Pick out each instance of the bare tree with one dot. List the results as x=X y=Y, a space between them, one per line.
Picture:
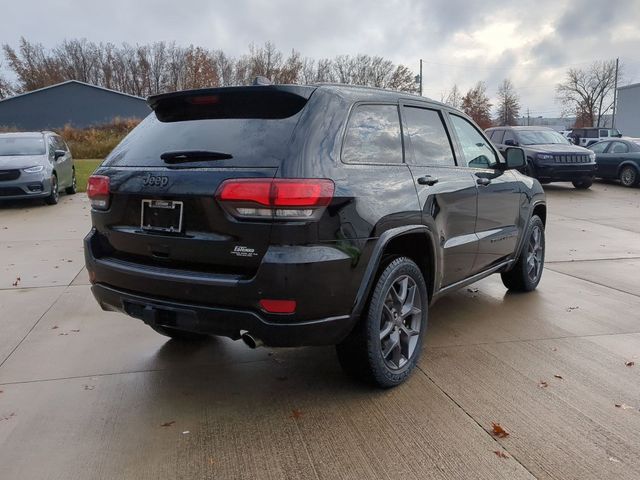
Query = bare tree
x=588 y=93
x=508 y=104
x=159 y=67
x=453 y=98
x=476 y=104
x=6 y=89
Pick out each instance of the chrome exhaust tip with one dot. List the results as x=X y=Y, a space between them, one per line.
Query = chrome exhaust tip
x=251 y=341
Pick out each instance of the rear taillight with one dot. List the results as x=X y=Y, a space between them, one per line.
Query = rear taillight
x=98 y=191
x=275 y=199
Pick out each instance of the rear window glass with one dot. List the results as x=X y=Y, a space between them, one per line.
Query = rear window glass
x=373 y=135
x=249 y=141
x=14 y=145
x=429 y=138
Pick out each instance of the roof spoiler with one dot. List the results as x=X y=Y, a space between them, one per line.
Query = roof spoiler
x=261 y=101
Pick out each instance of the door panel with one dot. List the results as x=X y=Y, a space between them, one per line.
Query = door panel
x=447 y=193
x=498 y=207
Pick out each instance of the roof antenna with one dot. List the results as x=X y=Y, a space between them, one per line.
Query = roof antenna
x=260 y=80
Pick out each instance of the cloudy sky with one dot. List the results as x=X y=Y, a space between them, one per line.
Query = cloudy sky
x=531 y=42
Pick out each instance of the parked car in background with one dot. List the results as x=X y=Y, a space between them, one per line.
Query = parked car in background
x=588 y=136
x=619 y=159
x=35 y=165
x=307 y=215
x=550 y=156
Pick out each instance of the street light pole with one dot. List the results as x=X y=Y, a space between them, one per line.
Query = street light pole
x=421 y=77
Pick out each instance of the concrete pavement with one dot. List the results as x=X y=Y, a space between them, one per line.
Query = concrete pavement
x=92 y=395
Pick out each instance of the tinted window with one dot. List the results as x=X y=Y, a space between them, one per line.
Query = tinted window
x=604 y=133
x=591 y=133
x=599 y=147
x=498 y=136
x=250 y=141
x=508 y=135
x=373 y=135
x=15 y=145
x=428 y=136
x=619 y=147
x=477 y=152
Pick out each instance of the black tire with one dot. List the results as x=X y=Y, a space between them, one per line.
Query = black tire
x=520 y=278
x=180 y=335
x=74 y=184
x=361 y=354
x=54 y=196
x=530 y=169
x=583 y=183
x=629 y=176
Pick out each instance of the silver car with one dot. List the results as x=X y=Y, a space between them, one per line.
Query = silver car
x=35 y=165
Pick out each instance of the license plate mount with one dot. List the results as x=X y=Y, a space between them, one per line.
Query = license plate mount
x=161 y=216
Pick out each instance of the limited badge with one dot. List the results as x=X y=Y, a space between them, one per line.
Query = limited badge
x=241 y=251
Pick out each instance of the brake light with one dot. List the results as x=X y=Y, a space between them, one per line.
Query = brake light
x=278 y=198
x=98 y=191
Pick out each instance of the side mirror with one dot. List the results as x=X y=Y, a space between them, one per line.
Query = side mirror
x=59 y=153
x=510 y=142
x=515 y=158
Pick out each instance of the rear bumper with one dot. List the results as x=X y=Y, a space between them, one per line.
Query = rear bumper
x=222 y=321
x=564 y=173
x=322 y=279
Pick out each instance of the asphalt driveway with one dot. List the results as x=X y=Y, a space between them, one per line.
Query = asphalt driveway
x=86 y=394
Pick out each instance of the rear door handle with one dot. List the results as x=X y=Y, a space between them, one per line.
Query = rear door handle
x=483 y=181
x=427 y=180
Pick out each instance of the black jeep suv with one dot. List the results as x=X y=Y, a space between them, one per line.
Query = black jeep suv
x=308 y=215
x=550 y=156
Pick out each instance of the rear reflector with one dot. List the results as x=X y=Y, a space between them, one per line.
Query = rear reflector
x=278 y=306
x=279 y=198
x=98 y=191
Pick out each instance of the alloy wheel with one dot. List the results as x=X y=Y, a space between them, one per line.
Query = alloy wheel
x=628 y=176
x=400 y=322
x=534 y=254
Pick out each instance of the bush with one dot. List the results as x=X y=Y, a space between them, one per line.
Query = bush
x=98 y=141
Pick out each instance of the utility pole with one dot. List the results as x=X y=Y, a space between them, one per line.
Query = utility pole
x=615 y=97
x=421 y=77
x=528 y=117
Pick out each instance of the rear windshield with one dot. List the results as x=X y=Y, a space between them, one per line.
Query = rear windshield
x=10 y=146
x=249 y=142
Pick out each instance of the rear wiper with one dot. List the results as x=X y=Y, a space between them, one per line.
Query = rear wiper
x=193 y=156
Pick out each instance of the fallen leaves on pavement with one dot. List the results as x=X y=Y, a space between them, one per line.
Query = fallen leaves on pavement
x=559 y=376
x=498 y=431
x=168 y=424
x=542 y=384
x=501 y=454
x=296 y=414
x=629 y=364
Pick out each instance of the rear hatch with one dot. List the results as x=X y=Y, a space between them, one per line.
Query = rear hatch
x=164 y=176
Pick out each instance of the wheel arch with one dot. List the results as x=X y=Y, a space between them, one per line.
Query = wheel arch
x=627 y=163
x=413 y=241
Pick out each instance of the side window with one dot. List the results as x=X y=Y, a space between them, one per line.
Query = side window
x=591 y=133
x=477 y=152
x=508 y=135
x=599 y=147
x=604 y=133
x=619 y=147
x=498 y=136
x=51 y=142
x=429 y=139
x=373 y=135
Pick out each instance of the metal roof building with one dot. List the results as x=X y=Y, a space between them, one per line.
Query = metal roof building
x=628 y=110
x=72 y=103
